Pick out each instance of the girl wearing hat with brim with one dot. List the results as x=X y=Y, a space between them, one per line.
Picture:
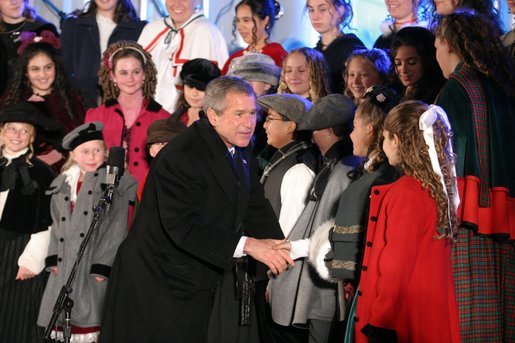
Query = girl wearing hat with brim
x=194 y=77
x=24 y=222
x=74 y=194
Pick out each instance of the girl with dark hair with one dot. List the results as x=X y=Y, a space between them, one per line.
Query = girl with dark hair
x=406 y=290
x=329 y=18
x=254 y=21
x=40 y=79
x=479 y=97
x=86 y=37
x=16 y=16
x=128 y=79
x=416 y=73
x=401 y=13
x=194 y=76
x=364 y=69
x=508 y=39
x=304 y=73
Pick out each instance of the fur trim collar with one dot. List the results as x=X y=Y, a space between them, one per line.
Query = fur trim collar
x=387 y=27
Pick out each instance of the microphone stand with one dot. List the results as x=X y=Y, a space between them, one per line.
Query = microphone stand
x=64 y=302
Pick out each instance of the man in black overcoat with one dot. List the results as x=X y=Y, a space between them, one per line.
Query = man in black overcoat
x=202 y=208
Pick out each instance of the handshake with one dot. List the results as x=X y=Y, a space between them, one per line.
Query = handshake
x=274 y=253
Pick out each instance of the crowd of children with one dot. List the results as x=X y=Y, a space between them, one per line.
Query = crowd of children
x=390 y=169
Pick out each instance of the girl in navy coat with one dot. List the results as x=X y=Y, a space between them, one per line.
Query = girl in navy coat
x=86 y=37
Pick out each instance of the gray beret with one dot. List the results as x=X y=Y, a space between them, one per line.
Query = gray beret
x=82 y=134
x=292 y=106
x=329 y=111
x=255 y=67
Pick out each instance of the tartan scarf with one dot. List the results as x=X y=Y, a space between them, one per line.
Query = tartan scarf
x=470 y=81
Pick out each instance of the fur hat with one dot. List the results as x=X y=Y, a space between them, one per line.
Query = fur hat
x=198 y=73
x=255 y=67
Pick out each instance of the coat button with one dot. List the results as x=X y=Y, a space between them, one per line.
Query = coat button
x=59 y=259
x=95 y=175
x=356 y=319
x=136 y=149
x=360 y=293
x=364 y=268
x=61 y=239
x=369 y=244
x=373 y=218
x=138 y=123
x=376 y=192
x=85 y=213
x=82 y=234
x=66 y=198
x=63 y=219
x=90 y=192
x=136 y=164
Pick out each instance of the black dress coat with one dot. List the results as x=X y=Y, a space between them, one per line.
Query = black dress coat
x=80 y=48
x=182 y=242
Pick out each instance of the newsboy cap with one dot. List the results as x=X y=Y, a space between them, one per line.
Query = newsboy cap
x=292 y=106
x=24 y=112
x=329 y=111
x=255 y=67
x=82 y=134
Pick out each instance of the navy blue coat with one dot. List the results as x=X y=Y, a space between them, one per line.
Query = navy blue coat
x=80 y=48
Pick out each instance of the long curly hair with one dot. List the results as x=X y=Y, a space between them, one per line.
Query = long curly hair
x=20 y=87
x=29 y=13
x=124 y=11
x=123 y=49
x=318 y=71
x=377 y=57
x=485 y=7
x=345 y=16
x=403 y=121
x=479 y=49
x=260 y=9
x=423 y=41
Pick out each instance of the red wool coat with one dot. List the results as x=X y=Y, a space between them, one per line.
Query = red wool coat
x=111 y=115
x=406 y=281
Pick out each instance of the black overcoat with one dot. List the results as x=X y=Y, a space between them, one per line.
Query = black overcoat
x=182 y=241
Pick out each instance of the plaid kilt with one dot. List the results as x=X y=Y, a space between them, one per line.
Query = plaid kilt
x=484 y=277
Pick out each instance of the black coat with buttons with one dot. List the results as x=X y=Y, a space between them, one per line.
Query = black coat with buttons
x=182 y=242
x=68 y=230
x=347 y=236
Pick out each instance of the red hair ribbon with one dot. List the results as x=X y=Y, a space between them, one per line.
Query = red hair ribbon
x=27 y=38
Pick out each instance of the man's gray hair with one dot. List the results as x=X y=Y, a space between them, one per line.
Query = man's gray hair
x=219 y=88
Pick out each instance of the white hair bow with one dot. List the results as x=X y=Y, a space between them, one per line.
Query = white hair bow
x=426 y=121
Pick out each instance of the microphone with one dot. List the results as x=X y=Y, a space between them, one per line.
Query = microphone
x=115 y=165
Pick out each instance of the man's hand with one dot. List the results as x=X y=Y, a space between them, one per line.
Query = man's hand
x=263 y=251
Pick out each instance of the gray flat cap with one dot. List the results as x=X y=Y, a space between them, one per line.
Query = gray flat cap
x=292 y=106
x=329 y=111
x=255 y=67
x=82 y=134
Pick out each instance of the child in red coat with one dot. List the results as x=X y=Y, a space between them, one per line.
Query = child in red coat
x=406 y=287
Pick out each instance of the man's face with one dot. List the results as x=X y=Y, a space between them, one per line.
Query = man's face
x=237 y=122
